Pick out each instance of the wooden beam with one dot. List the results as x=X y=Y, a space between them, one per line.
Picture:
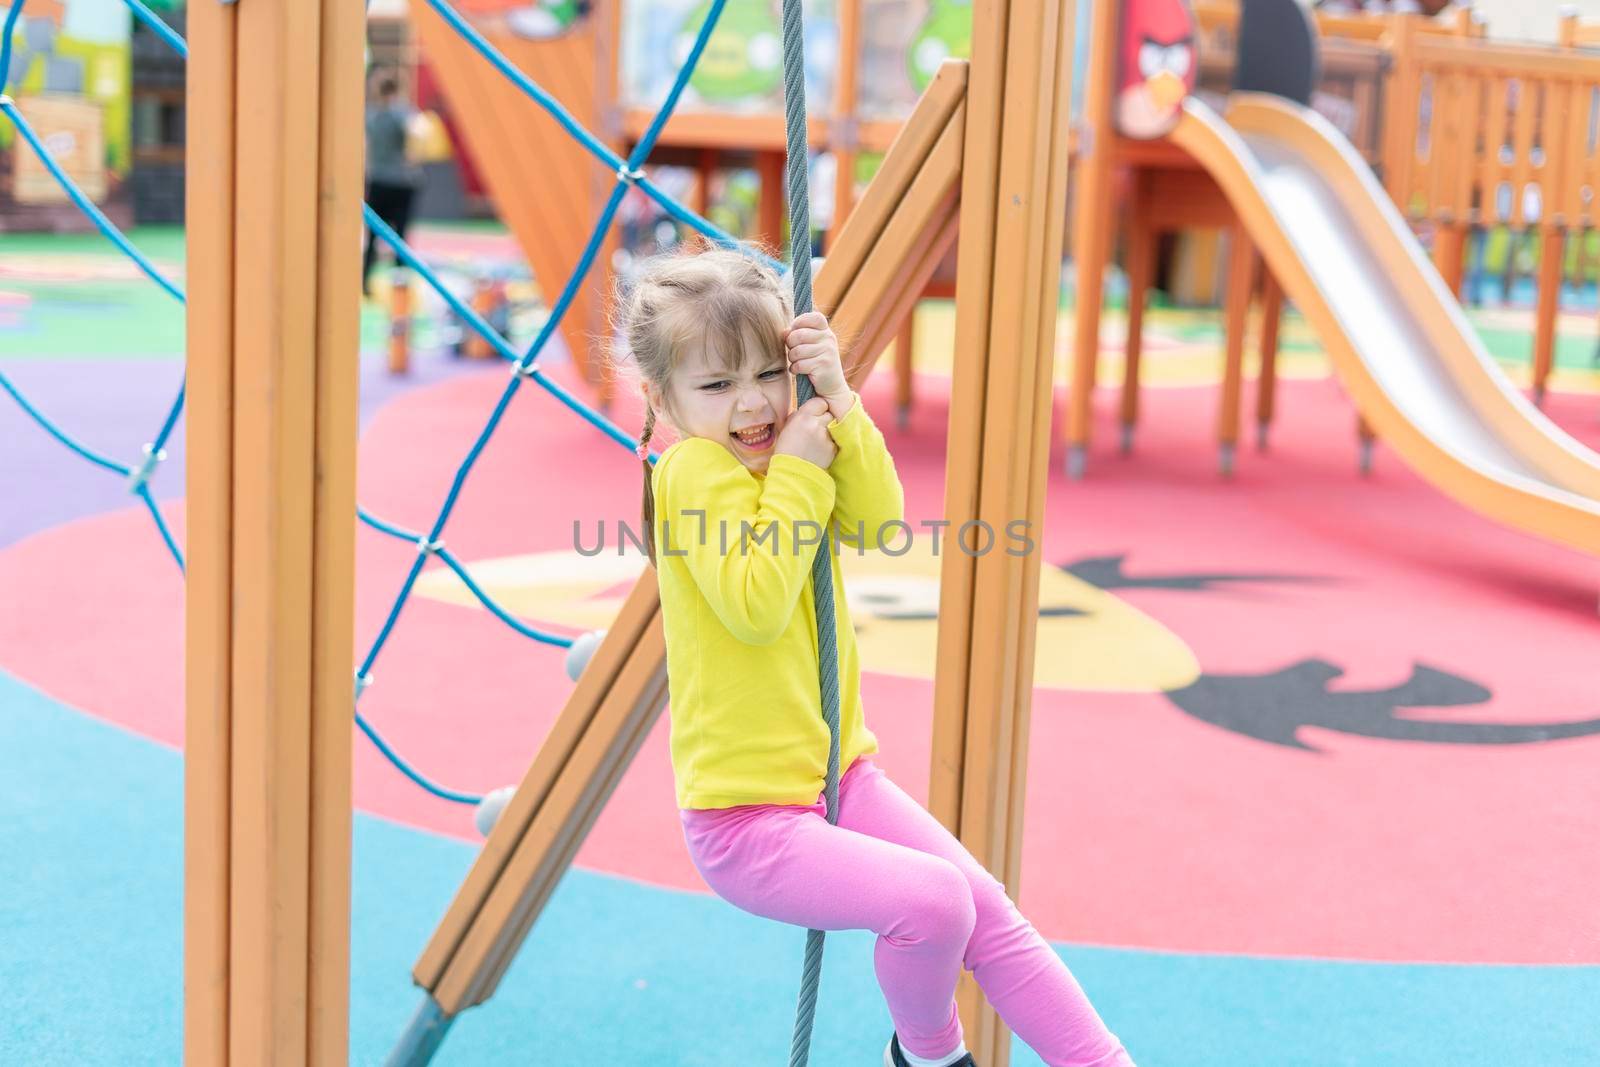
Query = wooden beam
x=1236 y=313
x=1267 y=378
x=340 y=188
x=594 y=687
x=563 y=820
x=905 y=348
x=1092 y=226
x=1013 y=209
x=770 y=215
x=1552 y=246
x=1141 y=257
x=897 y=296
x=904 y=161
x=931 y=195
x=208 y=603
x=273 y=310
x=846 y=102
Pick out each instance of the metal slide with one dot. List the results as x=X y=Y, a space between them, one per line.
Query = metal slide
x=1399 y=342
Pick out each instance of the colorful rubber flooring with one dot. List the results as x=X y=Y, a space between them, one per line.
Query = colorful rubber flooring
x=1311 y=761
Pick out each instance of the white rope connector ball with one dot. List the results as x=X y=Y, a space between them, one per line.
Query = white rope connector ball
x=140 y=475
x=582 y=651
x=490 y=807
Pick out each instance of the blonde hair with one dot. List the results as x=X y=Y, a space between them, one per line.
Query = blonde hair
x=727 y=302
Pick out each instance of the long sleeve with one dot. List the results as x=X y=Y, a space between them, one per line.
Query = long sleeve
x=747 y=543
x=868 y=494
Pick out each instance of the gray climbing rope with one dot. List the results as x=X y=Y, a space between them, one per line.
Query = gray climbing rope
x=794 y=114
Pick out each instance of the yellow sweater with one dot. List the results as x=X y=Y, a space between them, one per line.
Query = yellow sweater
x=740 y=624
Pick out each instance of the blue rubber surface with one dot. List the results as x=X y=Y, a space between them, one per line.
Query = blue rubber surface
x=621 y=972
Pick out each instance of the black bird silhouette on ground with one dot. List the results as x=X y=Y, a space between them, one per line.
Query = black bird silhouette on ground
x=1275 y=707
x=1105 y=572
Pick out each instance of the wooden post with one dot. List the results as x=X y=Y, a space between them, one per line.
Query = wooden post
x=1267 y=380
x=1449 y=254
x=400 y=321
x=1241 y=283
x=905 y=346
x=704 y=173
x=771 y=217
x=274 y=116
x=1013 y=206
x=1141 y=256
x=1402 y=90
x=845 y=120
x=1091 y=226
x=483 y=300
x=1552 y=246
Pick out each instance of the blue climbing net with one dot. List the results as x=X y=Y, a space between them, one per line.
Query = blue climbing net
x=524 y=366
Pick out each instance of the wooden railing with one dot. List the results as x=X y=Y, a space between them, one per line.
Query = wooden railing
x=1474 y=133
x=1356 y=62
x=1576 y=32
x=1218 y=21
x=1482 y=134
x=1485 y=134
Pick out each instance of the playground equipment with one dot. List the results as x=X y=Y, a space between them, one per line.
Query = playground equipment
x=1505 y=140
x=485 y=293
x=272 y=489
x=1446 y=95
x=1336 y=245
x=399 y=321
x=1384 y=67
x=268 y=883
x=489 y=301
x=1011 y=182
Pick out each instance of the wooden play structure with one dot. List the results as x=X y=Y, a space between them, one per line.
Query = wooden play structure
x=1332 y=241
x=275 y=91
x=1384 y=68
x=1507 y=141
x=272 y=514
x=1463 y=133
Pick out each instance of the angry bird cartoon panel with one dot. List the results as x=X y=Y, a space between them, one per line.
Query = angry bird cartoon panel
x=1157 y=66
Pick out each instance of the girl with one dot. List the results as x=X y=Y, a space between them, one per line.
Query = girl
x=733 y=513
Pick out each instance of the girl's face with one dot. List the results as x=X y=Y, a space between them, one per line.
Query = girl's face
x=744 y=409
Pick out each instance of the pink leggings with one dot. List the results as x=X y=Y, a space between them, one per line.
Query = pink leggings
x=892 y=868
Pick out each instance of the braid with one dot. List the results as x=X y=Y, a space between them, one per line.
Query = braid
x=648 y=507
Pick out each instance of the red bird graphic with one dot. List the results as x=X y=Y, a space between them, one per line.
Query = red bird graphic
x=1158 y=66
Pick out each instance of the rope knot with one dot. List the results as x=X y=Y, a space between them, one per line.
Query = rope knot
x=140 y=476
x=428 y=548
x=629 y=175
x=520 y=369
x=362 y=681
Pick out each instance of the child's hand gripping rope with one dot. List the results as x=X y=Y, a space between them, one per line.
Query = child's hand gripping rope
x=806 y=434
x=813 y=350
